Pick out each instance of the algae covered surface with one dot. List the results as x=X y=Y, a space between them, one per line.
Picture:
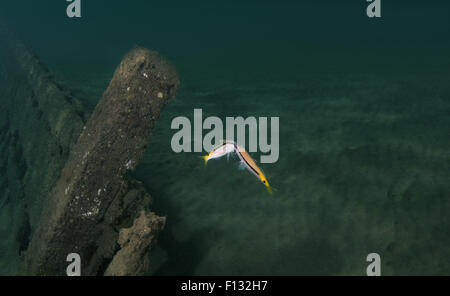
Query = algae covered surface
x=364 y=110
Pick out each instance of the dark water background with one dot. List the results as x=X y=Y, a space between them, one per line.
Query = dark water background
x=364 y=110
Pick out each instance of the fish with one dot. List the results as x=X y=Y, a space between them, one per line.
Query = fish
x=246 y=160
x=248 y=163
x=223 y=149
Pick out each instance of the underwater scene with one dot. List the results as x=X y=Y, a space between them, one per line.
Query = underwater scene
x=356 y=112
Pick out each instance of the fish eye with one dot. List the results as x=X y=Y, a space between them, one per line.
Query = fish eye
x=264 y=181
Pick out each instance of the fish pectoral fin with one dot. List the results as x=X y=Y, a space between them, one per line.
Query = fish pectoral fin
x=241 y=165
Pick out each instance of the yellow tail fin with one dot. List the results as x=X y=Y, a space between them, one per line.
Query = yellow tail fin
x=205 y=158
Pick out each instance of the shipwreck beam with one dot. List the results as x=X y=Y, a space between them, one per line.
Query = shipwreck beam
x=86 y=207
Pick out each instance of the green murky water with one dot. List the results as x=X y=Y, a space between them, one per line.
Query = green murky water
x=364 y=131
